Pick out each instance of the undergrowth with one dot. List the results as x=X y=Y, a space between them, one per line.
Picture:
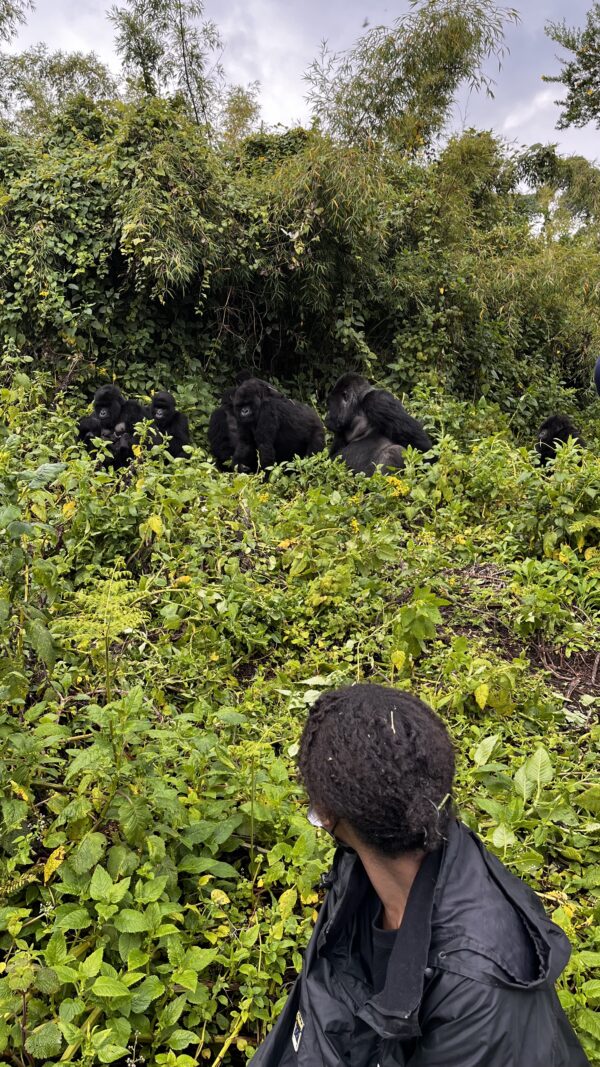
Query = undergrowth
x=162 y=634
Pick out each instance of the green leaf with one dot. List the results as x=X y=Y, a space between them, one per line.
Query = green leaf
x=146 y=892
x=200 y=958
x=88 y=853
x=181 y=1039
x=111 y=1053
x=186 y=978
x=591 y=989
x=588 y=958
x=206 y=865
x=503 y=837
x=44 y=1042
x=484 y=750
x=523 y=784
x=105 y=986
x=590 y=799
x=149 y=990
x=129 y=921
x=171 y=1012
x=9 y=513
x=41 y=641
x=47 y=981
x=43 y=475
x=101 y=885
x=589 y=1021
x=538 y=768
x=74 y=919
x=90 y=967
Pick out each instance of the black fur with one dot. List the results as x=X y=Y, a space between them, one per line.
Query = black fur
x=353 y=400
x=169 y=423
x=367 y=451
x=556 y=430
x=114 y=420
x=272 y=428
x=223 y=434
x=115 y=412
x=88 y=428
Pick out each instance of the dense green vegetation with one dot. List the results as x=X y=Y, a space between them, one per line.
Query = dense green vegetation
x=163 y=630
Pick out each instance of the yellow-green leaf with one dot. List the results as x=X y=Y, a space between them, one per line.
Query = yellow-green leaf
x=481 y=695
x=54 y=861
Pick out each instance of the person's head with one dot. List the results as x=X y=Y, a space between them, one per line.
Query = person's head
x=379 y=761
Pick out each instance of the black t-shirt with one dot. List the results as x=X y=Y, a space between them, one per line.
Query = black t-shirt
x=371 y=943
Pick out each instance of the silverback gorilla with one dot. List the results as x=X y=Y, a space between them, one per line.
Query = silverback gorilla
x=169 y=423
x=556 y=430
x=271 y=427
x=370 y=426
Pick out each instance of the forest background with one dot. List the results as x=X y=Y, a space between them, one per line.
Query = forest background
x=162 y=633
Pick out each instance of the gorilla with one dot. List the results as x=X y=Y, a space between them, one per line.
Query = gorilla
x=115 y=412
x=366 y=451
x=223 y=435
x=113 y=420
x=121 y=446
x=357 y=410
x=272 y=427
x=169 y=423
x=222 y=431
x=555 y=430
x=88 y=428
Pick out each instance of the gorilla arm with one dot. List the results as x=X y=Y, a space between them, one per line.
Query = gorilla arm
x=391 y=419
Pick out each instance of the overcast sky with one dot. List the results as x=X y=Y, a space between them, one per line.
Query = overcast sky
x=273 y=42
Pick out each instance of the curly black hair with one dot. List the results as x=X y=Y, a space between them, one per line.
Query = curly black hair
x=383 y=761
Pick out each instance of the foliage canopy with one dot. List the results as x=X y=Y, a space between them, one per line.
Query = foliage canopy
x=580 y=74
x=397 y=84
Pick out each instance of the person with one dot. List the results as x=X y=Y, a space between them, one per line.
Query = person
x=427 y=952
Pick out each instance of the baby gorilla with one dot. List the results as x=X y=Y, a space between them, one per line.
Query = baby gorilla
x=169 y=423
x=272 y=427
x=555 y=430
x=359 y=412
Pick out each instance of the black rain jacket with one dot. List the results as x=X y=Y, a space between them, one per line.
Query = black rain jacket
x=469 y=983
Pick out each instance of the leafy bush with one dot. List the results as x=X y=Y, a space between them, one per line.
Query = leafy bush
x=127 y=238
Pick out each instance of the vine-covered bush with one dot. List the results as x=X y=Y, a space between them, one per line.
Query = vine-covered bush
x=125 y=236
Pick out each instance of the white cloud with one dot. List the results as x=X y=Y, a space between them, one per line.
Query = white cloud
x=265 y=43
x=522 y=114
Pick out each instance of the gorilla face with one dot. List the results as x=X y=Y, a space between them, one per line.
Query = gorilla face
x=247 y=402
x=108 y=402
x=163 y=408
x=344 y=400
